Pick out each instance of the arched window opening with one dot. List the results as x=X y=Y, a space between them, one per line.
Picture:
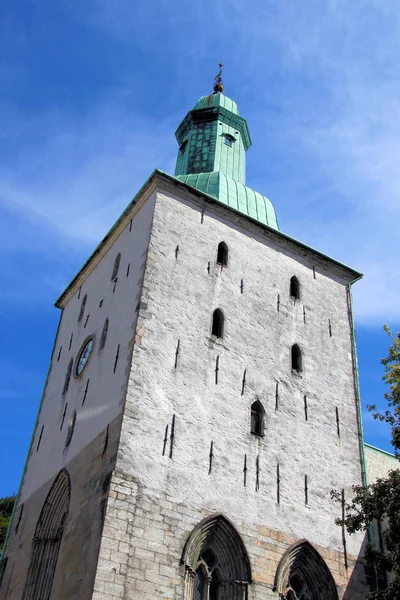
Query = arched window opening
x=104 y=335
x=47 y=540
x=303 y=575
x=295 y=288
x=216 y=562
x=218 y=323
x=68 y=376
x=297 y=360
x=257 y=418
x=215 y=585
x=229 y=139
x=82 y=309
x=182 y=147
x=116 y=266
x=200 y=585
x=222 y=254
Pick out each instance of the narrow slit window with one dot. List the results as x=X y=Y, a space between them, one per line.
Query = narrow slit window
x=116 y=266
x=71 y=427
x=68 y=377
x=218 y=323
x=104 y=335
x=297 y=360
x=222 y=254
x=257 y=418
x=295 y=288
x=83 y=306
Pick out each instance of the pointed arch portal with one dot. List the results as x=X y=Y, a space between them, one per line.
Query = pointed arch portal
x=216 y=562
x=47 y=539
x=303 y=575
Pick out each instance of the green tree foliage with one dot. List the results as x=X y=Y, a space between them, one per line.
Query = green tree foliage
x=6 y=507
x=380 y=501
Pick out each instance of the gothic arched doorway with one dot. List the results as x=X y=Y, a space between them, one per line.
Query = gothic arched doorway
x=303 y=575
x=47 y=539
x=216 y=563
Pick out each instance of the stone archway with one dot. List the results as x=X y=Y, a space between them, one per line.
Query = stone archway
x=47 y=539
x=303 y=575
x=216 y=563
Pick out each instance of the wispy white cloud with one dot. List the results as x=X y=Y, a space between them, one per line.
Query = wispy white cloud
x=69 y=184
x=319 y=83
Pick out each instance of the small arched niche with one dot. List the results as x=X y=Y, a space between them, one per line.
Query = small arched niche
x=257 y=418
x=104 y=335
x=82 y=309
x=297 y=359
x=222 y=254
x=218 y=323
x=68 y=376
x=295 y=288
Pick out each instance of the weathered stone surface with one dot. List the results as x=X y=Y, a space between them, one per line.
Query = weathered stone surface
x=162 y=487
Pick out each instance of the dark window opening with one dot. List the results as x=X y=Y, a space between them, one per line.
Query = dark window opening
x=222 y=254
x=257 y=418
x=200 y=584
x=116 y=267
x=68 y=377
x=104 y=335
x=182 y=147
x=295 y=288
x=229 y=139
x=218 y=323
x=82 y=310
x=71 y=427
x=297 y=362
x=214 y=585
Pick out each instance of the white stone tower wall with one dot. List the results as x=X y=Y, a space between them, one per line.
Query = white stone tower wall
x=105 y=394
x=160 y=499
x=91 y=455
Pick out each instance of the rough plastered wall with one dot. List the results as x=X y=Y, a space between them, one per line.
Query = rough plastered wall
x=379 y=463
x=97 y=396
x=164 y=485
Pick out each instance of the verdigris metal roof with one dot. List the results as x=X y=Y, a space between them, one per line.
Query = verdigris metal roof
x=235 y=195
x=217 y=99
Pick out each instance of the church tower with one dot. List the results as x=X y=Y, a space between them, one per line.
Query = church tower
x=201 y=402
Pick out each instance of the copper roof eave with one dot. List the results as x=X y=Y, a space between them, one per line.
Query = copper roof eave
x=58 y=304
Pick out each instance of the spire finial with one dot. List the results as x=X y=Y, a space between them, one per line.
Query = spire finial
x=218 y=85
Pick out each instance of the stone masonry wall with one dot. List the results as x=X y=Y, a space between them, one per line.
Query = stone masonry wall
x=90 y=473
x=97 y=396
x=165 y=485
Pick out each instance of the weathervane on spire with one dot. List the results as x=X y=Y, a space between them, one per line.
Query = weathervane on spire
x=218 y=85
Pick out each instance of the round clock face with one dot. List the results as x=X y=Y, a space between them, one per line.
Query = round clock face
x=84 y=356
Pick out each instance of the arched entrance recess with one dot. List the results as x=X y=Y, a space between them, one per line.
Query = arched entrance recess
x=47 y=539
x=216 y=563
x=303 y=575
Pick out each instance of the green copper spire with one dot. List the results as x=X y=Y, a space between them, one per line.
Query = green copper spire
x=213 y=140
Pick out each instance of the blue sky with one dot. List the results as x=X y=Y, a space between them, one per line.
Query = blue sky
x=91 y=93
